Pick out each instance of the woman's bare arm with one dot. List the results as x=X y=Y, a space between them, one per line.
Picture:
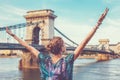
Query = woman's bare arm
x=23 y=43
x=80 y=47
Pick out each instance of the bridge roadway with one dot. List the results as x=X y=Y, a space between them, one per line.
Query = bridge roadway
x=15 y=46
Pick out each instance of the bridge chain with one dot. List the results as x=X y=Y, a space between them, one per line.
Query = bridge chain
x=21 y=25
x=35 y=23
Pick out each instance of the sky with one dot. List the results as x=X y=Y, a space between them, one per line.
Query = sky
x=75 y=18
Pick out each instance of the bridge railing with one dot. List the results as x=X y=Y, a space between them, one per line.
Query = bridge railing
x=13 y=46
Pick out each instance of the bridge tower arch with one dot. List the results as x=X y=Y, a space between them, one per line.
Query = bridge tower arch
x=45 y=19
x=36 y=35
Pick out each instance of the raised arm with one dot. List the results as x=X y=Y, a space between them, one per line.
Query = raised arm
x=80 y=47
x=23 y=43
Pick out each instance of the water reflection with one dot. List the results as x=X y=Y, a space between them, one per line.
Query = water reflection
x=106 y=70
x=30 y=74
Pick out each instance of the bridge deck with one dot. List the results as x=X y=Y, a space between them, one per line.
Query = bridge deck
x=13 y=46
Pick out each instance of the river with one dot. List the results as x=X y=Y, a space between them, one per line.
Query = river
x=84 y=69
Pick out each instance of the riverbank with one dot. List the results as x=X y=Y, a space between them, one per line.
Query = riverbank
x=88 y=57
x=9 y=56
x=85 y=56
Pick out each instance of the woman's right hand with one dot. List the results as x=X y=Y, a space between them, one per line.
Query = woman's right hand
x=9 y=31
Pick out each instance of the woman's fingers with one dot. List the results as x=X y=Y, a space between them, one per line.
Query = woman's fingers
x=8 y=31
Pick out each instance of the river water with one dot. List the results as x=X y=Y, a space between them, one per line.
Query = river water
x=84 y=69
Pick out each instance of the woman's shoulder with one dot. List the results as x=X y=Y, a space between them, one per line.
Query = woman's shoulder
x=43 y=55
x=69 y=57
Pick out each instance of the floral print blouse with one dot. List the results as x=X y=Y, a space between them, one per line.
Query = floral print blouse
x=61 y=70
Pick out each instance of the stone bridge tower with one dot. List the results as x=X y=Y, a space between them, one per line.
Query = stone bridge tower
x=40 y=33
x=104 y=44
x=44 y=30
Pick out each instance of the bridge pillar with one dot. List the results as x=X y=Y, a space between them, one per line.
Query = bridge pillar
x=104 y=45
x=103 y=57
x=40 y=33
x=28 y=61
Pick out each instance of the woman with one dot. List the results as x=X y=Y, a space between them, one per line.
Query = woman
x=53 y=66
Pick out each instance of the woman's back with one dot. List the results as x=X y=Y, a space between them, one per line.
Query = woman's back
x=61 y=70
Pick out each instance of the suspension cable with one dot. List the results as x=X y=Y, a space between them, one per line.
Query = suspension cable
x=65 y=36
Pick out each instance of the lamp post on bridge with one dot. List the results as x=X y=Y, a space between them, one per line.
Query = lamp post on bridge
x=8 y=40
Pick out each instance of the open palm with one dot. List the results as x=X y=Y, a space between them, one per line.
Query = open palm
x=102 y=16
x=9 y=31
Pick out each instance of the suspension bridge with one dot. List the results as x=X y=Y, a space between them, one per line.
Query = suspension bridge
x=7 y=45
x=37 y=31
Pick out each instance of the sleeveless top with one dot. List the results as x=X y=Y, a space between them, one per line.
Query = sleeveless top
x=61 y=70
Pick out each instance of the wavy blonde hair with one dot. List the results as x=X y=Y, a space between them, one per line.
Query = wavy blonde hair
x=55 y=45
